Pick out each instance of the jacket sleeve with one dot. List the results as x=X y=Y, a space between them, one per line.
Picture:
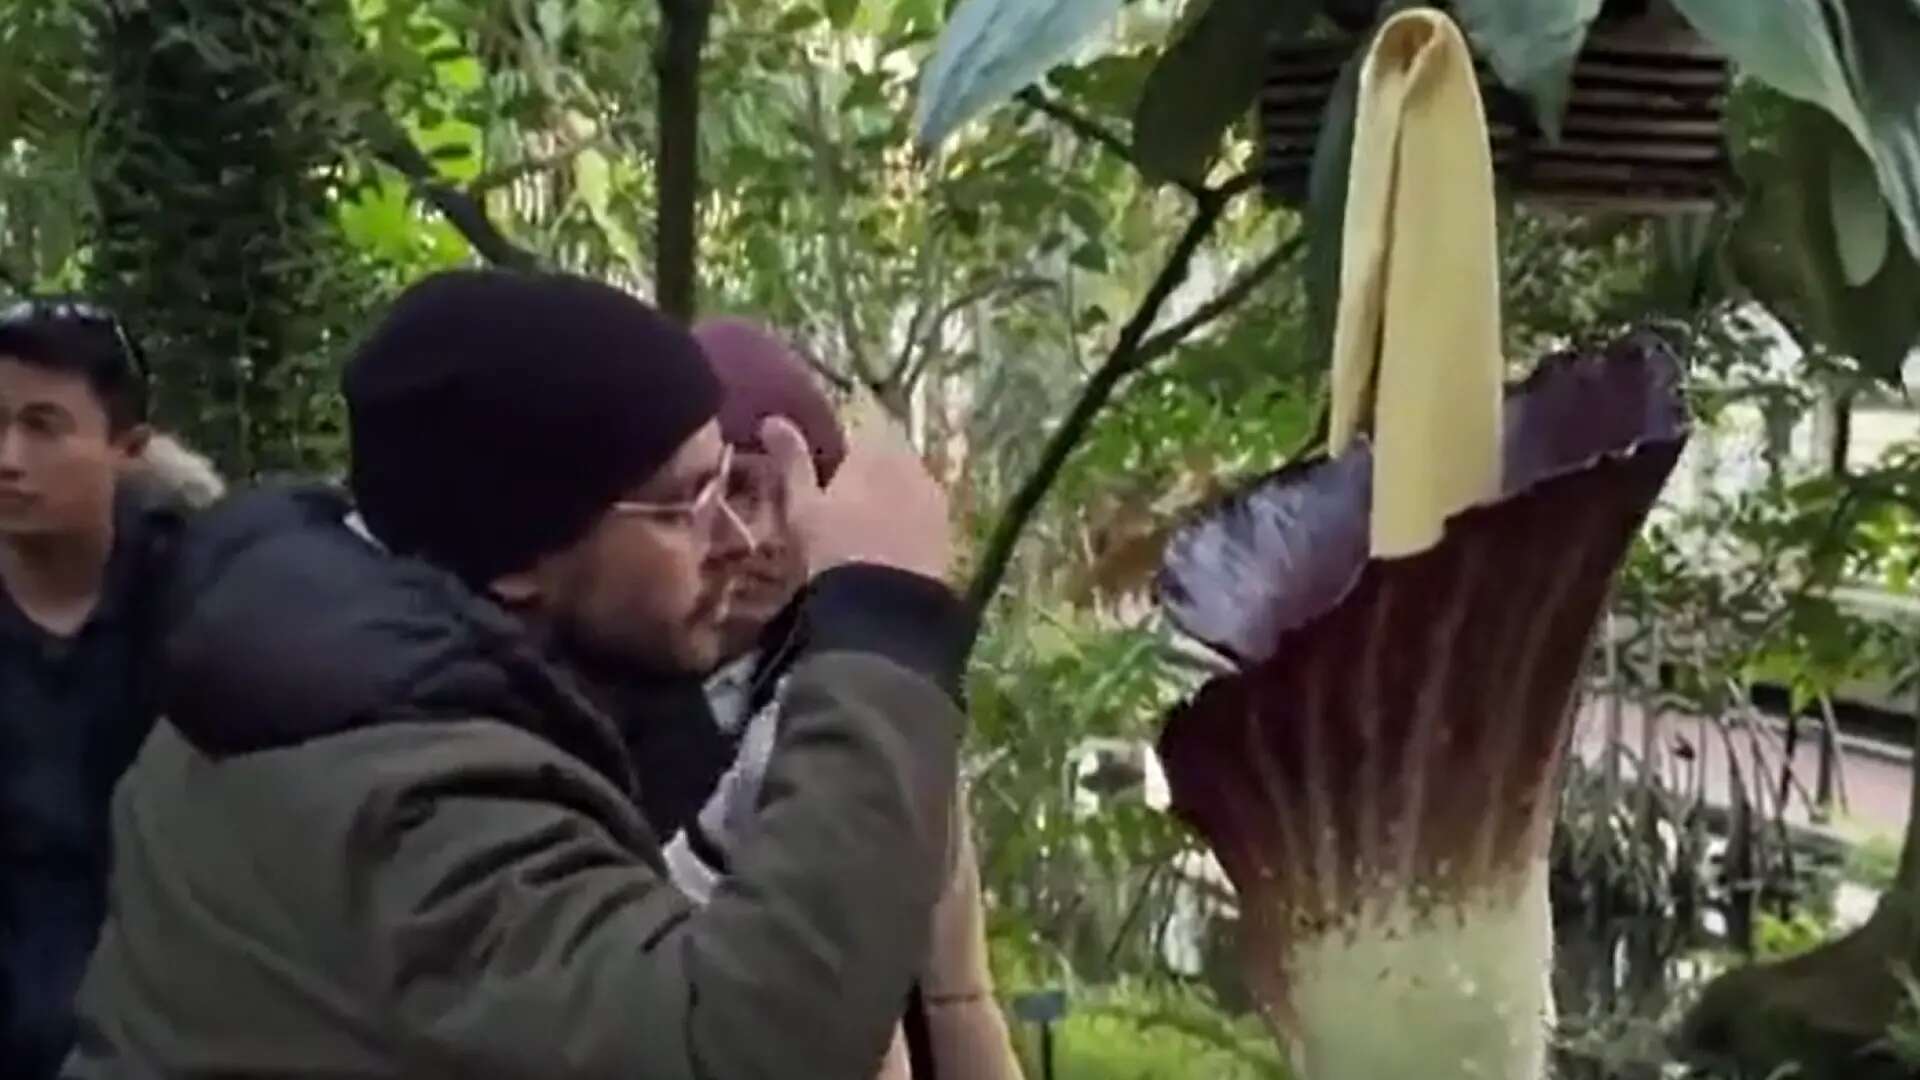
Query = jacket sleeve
x=522 y=937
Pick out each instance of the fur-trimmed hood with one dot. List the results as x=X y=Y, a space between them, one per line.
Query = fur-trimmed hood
x=176 y=474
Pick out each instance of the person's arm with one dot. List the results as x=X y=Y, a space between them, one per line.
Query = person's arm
x=968 y=1032
x=522 y=938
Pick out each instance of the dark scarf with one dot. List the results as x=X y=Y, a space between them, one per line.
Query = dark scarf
x=679 y=752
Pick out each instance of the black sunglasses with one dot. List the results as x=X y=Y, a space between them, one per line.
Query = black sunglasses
x=27 y=312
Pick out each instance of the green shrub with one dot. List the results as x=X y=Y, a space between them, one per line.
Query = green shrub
x=1874 y=862
x=1134 y=1032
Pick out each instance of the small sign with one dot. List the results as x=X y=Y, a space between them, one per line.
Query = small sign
x=1043 y=1007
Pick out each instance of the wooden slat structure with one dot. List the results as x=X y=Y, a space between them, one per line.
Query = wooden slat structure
x=1642 y=132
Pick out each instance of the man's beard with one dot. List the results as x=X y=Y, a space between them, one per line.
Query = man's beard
x=662 y=654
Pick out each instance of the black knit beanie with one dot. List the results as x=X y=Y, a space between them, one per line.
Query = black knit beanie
x=493 y=416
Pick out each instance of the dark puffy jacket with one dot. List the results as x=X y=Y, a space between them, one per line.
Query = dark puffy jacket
x=380 y=837
x=73 y=711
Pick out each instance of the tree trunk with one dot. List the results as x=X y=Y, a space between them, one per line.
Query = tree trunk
x=1842 y=440
x=677 y=64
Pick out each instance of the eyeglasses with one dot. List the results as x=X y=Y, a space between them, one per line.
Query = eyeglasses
x=78 y=311
x=754 y=486
x=697 y=509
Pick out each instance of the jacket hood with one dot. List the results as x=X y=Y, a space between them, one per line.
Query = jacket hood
x=282 y=625
x=174 y=474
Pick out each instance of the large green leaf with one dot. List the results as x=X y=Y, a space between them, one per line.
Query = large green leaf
x=1882 y=51
x=1785 y=251
x=992 y=48
x=1532 y=45
x=841 y=12
x=1785 y=44
x=1859 y=216
x=1327 y=208
x=1204 y=81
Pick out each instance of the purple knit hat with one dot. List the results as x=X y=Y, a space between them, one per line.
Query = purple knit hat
x=762 y=375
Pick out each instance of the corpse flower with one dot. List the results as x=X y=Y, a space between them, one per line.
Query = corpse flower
x=1407 y=618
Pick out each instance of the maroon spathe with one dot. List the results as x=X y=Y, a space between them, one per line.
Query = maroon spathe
x=1395 y=727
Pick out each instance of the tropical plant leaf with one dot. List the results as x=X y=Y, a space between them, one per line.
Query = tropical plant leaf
x=1205 y=80
x=1881 y=42
x=1327 y=208
x=1785 y=252
x=1786 y=45
x=992 y=48
x=1532 y=45
x=1859 y=216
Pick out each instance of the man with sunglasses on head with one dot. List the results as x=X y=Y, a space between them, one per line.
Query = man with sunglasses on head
x=387 y=827
x=85 y=526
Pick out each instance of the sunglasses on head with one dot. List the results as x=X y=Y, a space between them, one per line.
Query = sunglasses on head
x=28 y=312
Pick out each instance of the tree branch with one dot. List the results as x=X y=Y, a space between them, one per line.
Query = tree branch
x=1093 y=131
x=520 y=170
x=1018 y=286
x=924 y=274
x=677 y=67
x=463 y=211
x=1120 y=363
x=1235 y=294
x=834 y=378
x=826 y=173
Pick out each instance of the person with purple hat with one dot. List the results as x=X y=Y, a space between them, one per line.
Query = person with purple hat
x=953 y=1030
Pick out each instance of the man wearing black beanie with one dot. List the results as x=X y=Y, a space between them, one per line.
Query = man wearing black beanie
x=383 y=832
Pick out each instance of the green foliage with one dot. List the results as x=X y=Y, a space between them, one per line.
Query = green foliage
x=1782 y=938
x=1850 y=60
x=1069 y=870
x=1532 y=45
x=1859 y=218
x=1786 y=251
x=213 y=176
x=1566 y=280
x=1785 y=44
x=1204 y=81
x=991 y=48
x=1136 y=1032
x=42 y=143
x=1879 y=43
x=1874 y=862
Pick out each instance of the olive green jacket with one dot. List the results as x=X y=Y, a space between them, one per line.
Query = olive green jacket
x=338 y=860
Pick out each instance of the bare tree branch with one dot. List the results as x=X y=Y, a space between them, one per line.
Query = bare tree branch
x=924 y=274
x=827 y=174
x=1093 y=131
x=1019 y=286
x=1235 y=294
x=1120 y=363
x=1239 y=185
x=391 y=144
x=838 y=380
x=520 y=170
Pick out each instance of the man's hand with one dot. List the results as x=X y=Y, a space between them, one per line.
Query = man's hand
x=882 y=508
